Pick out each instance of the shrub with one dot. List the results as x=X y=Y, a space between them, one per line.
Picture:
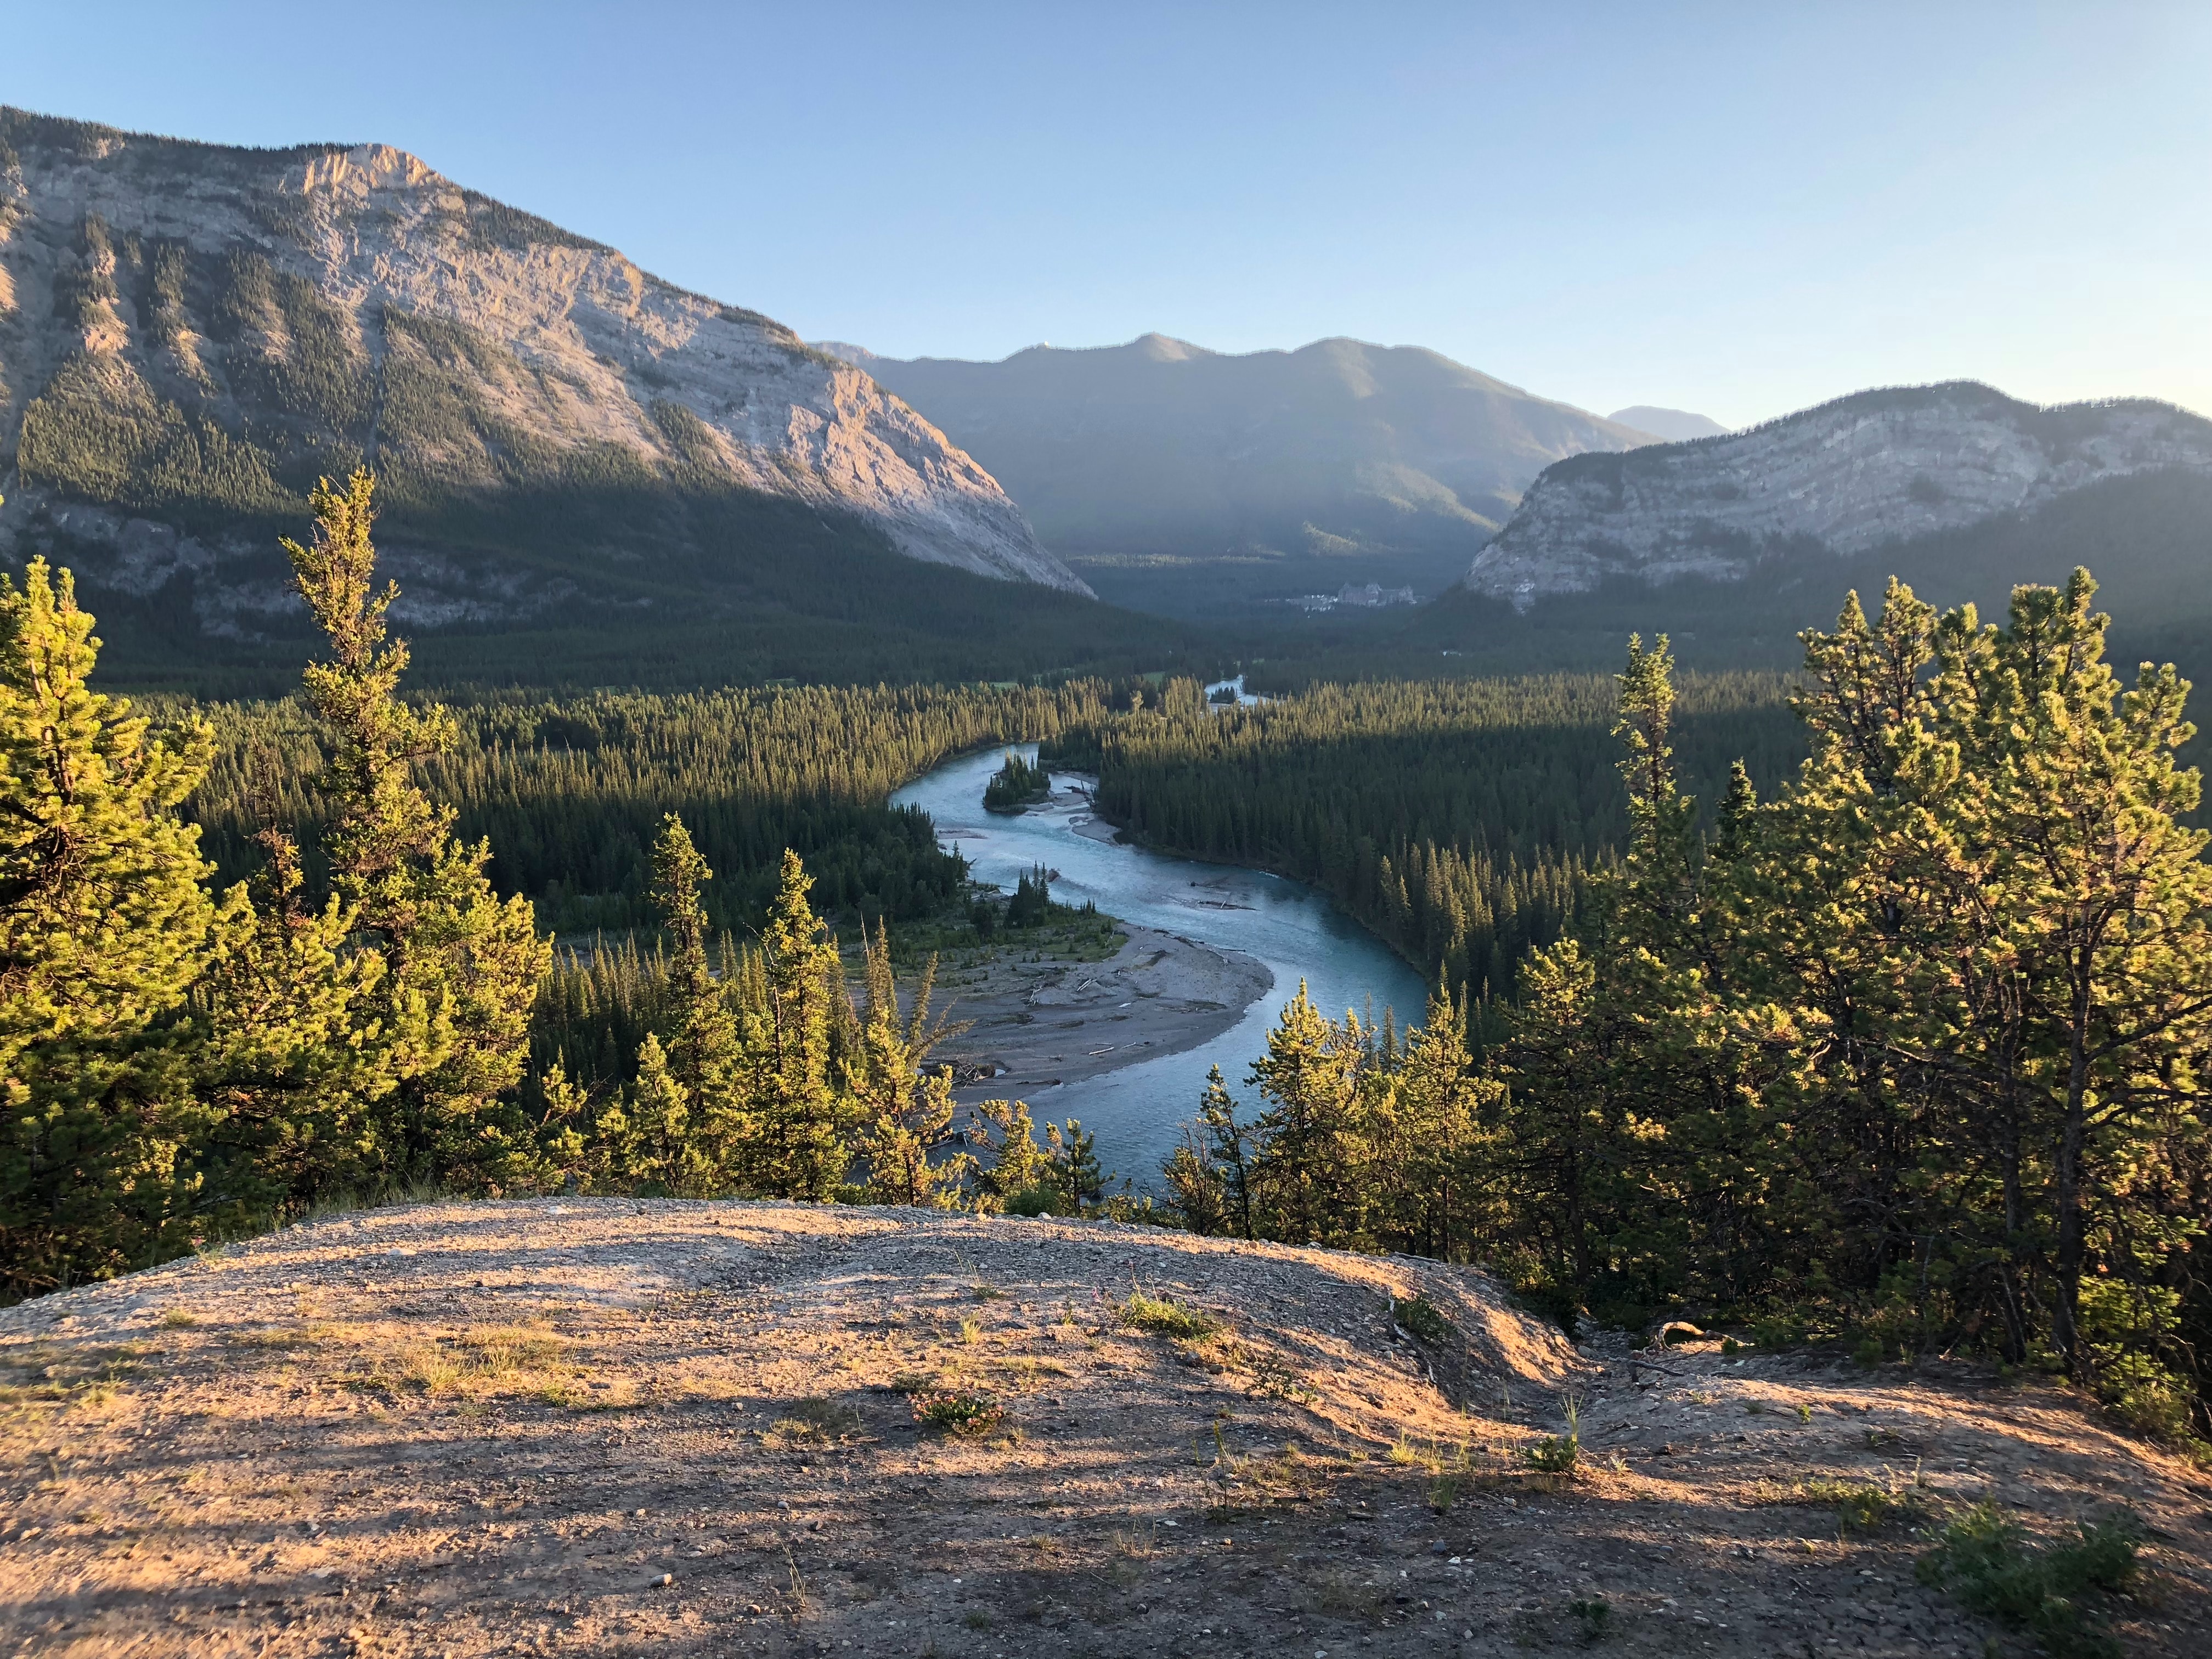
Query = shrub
x=1595 y=1614
x=1558 y=1453
x=1422 y=1319
x=957 y=1411
x=1164 y=1317
x=2046 y=1591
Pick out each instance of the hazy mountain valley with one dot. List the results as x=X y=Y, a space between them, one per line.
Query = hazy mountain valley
x=1173 y=476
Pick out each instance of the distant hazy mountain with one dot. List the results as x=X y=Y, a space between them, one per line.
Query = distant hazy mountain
x=1674 y=425
x=1156 y=465
x=1846 y=479
x=190 y=333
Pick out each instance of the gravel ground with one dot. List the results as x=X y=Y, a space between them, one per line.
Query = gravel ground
x=597 y=1427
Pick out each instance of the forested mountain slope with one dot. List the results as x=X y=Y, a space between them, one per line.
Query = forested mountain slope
x=190 y=334
x=1282 y=471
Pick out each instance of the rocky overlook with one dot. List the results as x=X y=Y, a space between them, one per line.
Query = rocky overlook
x=597 y=1427
x=190 y=334
x=1842 y=479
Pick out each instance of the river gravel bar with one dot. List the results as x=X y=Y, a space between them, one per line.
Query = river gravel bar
x=1035 y=1026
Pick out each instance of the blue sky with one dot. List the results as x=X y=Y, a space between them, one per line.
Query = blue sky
x=1737 y=208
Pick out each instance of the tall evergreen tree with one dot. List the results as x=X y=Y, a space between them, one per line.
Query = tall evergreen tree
x=413 y=893
x=1307 y=1172
x=802 y=1147
x=104 y=924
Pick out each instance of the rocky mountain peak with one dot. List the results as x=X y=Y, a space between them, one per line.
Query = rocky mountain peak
x=190 y=333
x=1844 y=478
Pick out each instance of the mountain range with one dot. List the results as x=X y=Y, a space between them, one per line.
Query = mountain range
x=1877 y=470
x=1173 y=477
x=1669 y=425
x=190 y=334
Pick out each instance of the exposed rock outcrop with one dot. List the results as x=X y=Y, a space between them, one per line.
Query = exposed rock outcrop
x=1842 y=479
x=189 y=334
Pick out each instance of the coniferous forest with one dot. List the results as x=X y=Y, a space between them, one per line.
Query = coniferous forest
x=1868 y=1006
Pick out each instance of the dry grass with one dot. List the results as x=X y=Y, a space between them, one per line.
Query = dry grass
x=57 y=1378
x=814 y=1421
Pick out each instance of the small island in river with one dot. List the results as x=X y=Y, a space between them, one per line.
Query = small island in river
x=1016 y=786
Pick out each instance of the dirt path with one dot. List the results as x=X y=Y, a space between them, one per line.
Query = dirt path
x=602 y=1427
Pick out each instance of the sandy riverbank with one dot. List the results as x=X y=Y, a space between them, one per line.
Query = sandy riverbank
x=1041 y=1025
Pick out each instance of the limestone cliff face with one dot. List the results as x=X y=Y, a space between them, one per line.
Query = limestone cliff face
x=189 y=334
x=1841 y=479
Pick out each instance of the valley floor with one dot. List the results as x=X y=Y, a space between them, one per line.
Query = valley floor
x=602 y=1426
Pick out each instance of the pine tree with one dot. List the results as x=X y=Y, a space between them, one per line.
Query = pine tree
x=293 y=1049
x=702 y=1059
x=1437 y=1107
x=802 y=1146
x=1307 y=1175
x=1229 y=1150
x=1018 y=1165
x=412 y=893
x=1073 y=1168
x=903 y=1106
x=104 y=924
x=2103 y=899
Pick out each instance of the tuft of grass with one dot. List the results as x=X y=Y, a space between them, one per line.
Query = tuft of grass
x=179 y=1319
x=2051 y=1592
x=1023 y=1369
x=1594 y=1614
x=1347 y=1595
x=814 y=1421
x=1136 y=1546
x=971 y=1330
x=957 y=1411
x=1162 y=1316
x=1558 y=1453
x=40 y=1376
x=1421 y=1319
x=1860 y=1505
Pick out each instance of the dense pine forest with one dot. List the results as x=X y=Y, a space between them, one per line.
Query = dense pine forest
x=1459 y=819
x=570 y=790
